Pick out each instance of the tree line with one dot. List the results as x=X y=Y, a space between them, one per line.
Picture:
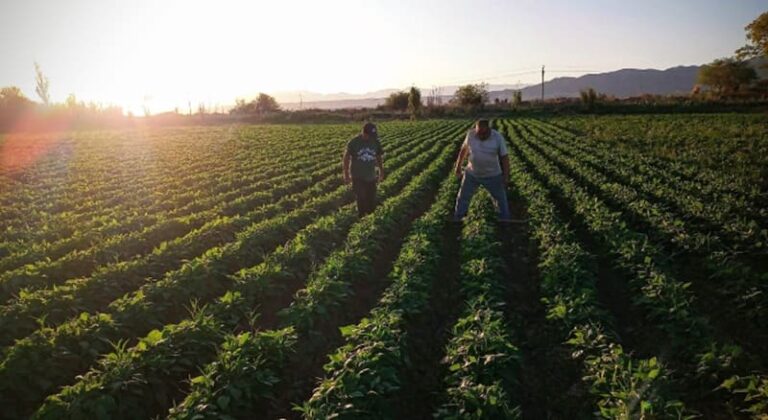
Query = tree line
x=730 y=75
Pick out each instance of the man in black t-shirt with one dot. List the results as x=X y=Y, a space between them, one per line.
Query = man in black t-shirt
x=362 y=156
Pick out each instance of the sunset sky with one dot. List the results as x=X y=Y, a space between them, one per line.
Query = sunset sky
x=166 y=53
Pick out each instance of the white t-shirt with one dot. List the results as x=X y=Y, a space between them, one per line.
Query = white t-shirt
x=484 y=154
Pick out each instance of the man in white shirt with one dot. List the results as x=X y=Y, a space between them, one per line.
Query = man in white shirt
x=488 y=166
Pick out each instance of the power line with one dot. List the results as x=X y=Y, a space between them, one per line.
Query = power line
x=521 y=73
x=491 y=77
x=573 y=71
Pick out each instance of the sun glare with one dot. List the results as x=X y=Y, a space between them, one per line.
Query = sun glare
x=215 y=56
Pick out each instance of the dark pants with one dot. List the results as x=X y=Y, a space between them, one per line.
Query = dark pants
x=365 y=194
x=494 y=185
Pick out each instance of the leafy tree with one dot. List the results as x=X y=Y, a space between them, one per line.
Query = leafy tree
x=241 y=107
x=471 y=96
x=266 y=103
x=41 y=85
x=13 y=101
x=414 y=102
x=13 y=104
x=397 y=101
x=71 y=101
x=263 y=103
x=12 y=95
x=757 y=39
x=517 y=99
x=588 y=98
x=726 y=75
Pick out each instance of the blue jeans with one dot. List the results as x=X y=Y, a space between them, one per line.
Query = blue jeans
x=494 y=185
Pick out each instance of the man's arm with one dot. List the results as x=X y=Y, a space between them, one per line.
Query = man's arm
x=380 y=159
x=460 y=160
x=345 y=163
x=380 y=165
x=504 y=158
x=505 y=168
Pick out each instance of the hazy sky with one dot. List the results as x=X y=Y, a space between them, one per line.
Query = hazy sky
x=165 y=53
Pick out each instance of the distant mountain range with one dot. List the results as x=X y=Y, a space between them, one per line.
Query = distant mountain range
x=622 y=83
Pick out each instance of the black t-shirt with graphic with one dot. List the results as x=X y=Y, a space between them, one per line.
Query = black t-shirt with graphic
x=364 y=154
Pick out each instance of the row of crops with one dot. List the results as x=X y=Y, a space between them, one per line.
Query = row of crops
x=222 y=272
x=665 y=303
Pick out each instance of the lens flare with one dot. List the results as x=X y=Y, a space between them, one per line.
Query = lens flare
x=30 y=140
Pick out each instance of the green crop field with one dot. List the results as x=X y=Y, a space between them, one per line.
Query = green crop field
x=222 y=272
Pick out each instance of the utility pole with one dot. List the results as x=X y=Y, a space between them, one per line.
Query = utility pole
x=542 y=83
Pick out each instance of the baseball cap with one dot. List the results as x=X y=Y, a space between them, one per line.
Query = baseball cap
x=370 y=129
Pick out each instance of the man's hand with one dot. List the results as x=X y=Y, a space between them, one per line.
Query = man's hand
x=347 y=179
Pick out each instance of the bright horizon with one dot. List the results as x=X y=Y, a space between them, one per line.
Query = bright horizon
x=167 y=54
